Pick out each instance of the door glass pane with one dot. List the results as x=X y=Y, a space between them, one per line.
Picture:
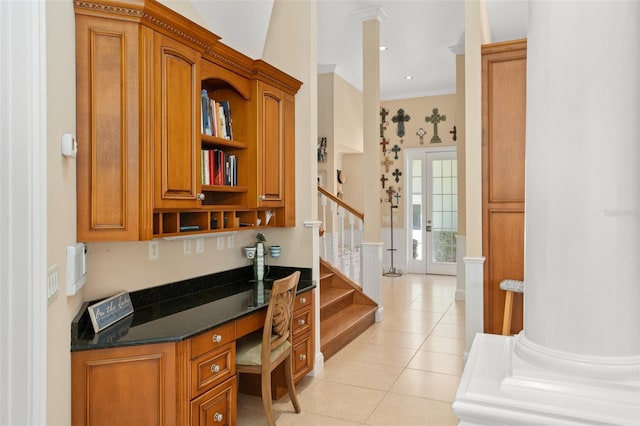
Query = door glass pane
x=445 y=210
x=416 y=202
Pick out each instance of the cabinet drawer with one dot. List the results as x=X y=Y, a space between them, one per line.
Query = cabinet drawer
x=301 y=322
x=216 y=407
x=303 y=300
x=302 y=357
x=212 y=368
x=212 y=339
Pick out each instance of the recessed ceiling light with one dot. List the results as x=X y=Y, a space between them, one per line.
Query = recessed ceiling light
x=383 y=48
x=409 y=77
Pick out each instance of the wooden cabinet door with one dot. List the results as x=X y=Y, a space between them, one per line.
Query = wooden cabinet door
x=216 y=407
x=107 y=164
x=271 y=146
x=503 y=176
x=177 y=148
x=124 y=386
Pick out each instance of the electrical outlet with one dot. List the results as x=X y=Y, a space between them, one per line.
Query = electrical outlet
x=52 y=282
x=220 y=243
x=199 y=245
x=154 y=250
x=231 y=241
x=187 y=246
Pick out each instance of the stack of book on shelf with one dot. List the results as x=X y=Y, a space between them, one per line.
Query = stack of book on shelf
x=219 y=168
x=216 y=117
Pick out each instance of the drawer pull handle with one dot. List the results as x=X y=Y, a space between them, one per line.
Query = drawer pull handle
x=215 y=368
x=217 y=417
x=216 y=338
x=303 y=357
x=200 y=196
x=303 y=300
x=301 y=322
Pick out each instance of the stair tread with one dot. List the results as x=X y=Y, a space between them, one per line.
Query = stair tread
x=324 y=275
x=341 y=321
x=328 y=295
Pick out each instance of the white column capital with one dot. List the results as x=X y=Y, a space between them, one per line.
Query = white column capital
x=370 y=14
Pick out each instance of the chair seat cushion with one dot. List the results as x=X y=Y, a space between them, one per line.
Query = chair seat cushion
x=249 y=349
x=512 y=285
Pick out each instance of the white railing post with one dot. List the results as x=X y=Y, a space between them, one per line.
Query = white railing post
x=323 y=203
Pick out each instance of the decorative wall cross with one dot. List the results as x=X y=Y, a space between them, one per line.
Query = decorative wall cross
x=435 y=118
x=400 y=118
x=390 y=191
x=384 y=143
x=421 y=132
x=396 y=174
x=397 y=198
x=386 y=163
x=383 y=179
x=383 y=121
x=395 y=150
x=454 y=132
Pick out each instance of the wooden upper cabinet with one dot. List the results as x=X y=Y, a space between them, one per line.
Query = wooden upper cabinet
x=177 y=130
x=140 y=71
x=107 y=129
x=271 y=145
x=503 y=176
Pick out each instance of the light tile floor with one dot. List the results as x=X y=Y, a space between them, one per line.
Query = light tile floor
x=401 y=371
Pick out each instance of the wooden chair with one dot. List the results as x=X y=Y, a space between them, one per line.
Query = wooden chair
x=511 y=287
x=261 y=355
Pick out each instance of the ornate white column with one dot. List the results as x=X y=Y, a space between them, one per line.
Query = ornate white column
x=577 y=361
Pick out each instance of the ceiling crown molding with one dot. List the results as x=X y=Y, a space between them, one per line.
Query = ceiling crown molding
x=371 y=13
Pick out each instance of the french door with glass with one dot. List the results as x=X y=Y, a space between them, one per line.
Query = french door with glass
x=432 y=211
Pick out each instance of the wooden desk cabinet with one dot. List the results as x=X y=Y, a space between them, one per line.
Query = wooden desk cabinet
x=192 y=382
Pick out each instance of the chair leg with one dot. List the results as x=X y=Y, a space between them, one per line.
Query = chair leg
x=266 y=397
x=506 y=321
x=288 y=373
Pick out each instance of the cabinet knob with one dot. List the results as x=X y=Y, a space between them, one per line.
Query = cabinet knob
x=262 y=197
x=303 y=357
x=303 y=300
x=200 y=196
x=215 y=368
x=217 y=417
x=216 y=338
x=301 y=322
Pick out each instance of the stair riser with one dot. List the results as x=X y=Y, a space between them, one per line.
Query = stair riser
x=335 y=307
x=331 y=348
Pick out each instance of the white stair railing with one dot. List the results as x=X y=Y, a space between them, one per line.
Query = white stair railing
x=343 y=228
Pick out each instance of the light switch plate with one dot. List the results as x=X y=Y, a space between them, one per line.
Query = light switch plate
x=187 y=246
x=231 y=241
x=220 y=243
x=200 y=245
x=154 y=250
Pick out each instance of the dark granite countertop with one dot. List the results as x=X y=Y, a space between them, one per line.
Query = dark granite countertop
x=177 y=311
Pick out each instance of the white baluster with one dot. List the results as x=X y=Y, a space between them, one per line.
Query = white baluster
x=341 y=245
x=323 y=239
x=352 y=264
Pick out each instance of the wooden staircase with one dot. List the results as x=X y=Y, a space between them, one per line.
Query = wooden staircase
x=345 y=311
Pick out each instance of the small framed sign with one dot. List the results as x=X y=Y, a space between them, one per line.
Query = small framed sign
x=109 y=311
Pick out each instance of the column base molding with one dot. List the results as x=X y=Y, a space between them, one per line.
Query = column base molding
x=498 y=387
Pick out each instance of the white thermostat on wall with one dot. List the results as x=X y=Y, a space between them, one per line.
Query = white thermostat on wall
x=76 y=267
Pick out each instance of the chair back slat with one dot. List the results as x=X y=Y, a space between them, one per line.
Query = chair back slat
x=278 y=323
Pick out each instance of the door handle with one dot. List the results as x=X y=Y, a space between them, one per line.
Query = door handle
x=428 y=228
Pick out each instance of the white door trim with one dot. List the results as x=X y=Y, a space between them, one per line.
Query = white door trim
x=23 y=213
